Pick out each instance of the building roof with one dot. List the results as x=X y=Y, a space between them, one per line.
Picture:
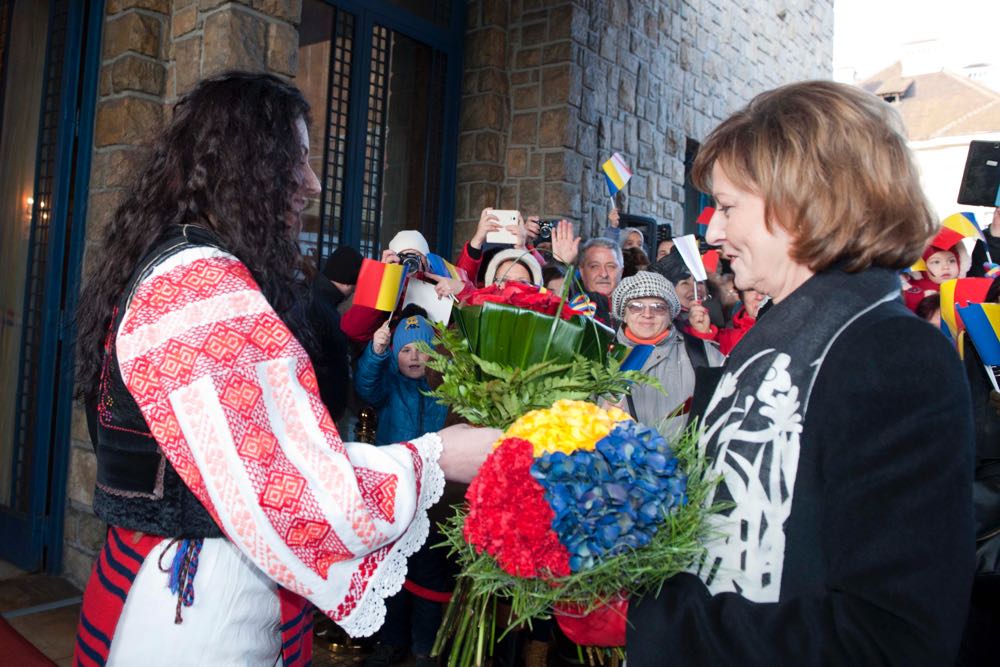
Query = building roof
x=938 y=104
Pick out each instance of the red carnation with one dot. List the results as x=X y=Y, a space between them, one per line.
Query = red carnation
x=522 y=295
x=509 y=518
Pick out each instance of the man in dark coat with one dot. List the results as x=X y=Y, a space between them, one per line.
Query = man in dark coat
x=332 y=358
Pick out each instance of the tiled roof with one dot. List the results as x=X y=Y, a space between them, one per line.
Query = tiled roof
x=938 y=104
x=896 y=85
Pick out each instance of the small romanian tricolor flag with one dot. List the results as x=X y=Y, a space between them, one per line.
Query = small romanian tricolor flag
x=982 y=321
x=955 y=293
x=439 y=266
x=379 y=285
x=956 y=227
x=617 y=173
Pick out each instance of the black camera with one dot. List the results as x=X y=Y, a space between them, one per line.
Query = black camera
x=545 y=228
x=411 y=261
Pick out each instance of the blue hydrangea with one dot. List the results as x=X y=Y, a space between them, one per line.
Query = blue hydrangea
x=613 y=498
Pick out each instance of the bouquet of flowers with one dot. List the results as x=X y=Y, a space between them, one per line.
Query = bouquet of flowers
x=576 y=508
x=509 y=354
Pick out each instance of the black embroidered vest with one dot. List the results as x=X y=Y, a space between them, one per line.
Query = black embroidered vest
x=137 y=487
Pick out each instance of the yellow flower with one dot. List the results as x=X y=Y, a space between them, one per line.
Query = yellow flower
x=566 y=426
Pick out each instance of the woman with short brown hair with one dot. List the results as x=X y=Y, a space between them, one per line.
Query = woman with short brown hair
x=834 y=170
x=840 y=427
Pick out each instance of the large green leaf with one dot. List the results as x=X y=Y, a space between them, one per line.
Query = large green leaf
x=519 y=337
x=467 y=319
x=501 y=361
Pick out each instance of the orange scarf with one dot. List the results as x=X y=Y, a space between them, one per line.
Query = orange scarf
x=647 y=341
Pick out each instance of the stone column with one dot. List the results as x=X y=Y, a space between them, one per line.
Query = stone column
x=153 y=52
x=129 y=110
x=485 y=116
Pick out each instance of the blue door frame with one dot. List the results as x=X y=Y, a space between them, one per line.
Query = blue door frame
x=32 y=532
x=449 y=40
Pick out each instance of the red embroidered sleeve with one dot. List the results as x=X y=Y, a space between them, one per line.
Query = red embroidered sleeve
x=231 y=397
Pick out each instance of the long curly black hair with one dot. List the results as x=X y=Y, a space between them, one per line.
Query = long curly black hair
x=229 y=160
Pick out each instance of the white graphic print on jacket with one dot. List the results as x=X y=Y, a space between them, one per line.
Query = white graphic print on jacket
x=755 y=436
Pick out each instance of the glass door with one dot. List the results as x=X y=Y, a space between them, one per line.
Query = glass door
x=383 y=81
x=26 y=25
x=46 y=50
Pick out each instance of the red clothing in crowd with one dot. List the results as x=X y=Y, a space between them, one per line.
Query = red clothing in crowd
x=728 y=337
x=469 y=264
x=360 y=323
x=918 y=290
x=471 y=259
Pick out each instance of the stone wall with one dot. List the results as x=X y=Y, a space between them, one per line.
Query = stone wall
x=154 y=51
x=553 y=87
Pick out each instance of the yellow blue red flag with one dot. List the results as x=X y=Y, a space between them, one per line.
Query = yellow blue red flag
x=439 y=266
x=956 y=293
x=956 y=227
x=617 y=173
x=982 y=322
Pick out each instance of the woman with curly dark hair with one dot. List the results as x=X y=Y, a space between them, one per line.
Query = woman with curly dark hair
x=214 y=449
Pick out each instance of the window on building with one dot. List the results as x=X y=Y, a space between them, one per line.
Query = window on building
x=694 y=200
x=384 y=86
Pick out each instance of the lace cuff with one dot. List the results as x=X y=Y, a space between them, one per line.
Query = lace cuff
x=388 y=579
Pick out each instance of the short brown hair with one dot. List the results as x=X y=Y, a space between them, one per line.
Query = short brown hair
x=833 y=168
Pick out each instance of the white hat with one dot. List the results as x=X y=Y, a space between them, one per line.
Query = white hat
x=523 y=257
x=409 y=239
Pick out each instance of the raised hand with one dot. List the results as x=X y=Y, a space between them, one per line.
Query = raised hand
x=487 y=223
x=380 y=341
x=614 y=217
x=565 y=243
x=528 y=232
x=446 y=286
x=698 y=318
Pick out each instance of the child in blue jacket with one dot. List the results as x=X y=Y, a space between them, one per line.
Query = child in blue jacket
x=392 y=378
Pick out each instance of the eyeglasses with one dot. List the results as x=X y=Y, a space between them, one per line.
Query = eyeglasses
x=657 y=308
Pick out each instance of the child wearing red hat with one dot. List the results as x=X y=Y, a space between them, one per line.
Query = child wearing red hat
x=943 y=263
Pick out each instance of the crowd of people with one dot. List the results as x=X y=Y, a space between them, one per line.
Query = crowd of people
x=689 y=325
x=216 y=368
